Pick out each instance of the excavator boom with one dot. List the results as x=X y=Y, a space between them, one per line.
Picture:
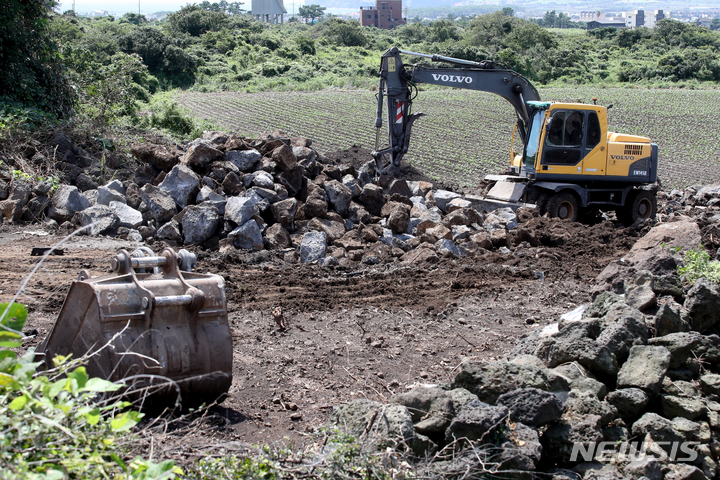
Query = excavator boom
x=397 y=81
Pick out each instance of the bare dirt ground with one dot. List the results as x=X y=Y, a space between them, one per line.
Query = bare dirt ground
x=364 y=333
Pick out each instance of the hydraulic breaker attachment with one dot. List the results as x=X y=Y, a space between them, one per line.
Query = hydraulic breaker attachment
x=162 y=331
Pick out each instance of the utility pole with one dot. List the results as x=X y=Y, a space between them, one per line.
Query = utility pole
x=138 y=7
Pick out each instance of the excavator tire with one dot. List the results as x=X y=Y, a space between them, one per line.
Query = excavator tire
x=563 y=205
x=639 y=206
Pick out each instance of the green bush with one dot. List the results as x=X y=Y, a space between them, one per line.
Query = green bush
x=169 y=117
x=698 y=265
x=53 y=427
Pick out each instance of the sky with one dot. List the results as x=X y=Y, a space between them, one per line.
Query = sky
x=146 y=6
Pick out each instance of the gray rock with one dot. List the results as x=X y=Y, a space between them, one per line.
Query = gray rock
x=35 y=209
x=339 y=196
x=277 y=237
x=669 y=284
x=68 y=200
x=134 y=236
x=670 y=318
x=709 y=348
x=586 y=403
x=100 y=219
x=660 y=429
x=161 y=204
x=490 y=380
x=431 y=408
x=313 y=246
x=263 y=180
x=648 y=467
x=575 y=342
x=268 y=194
x=207 y=195
x=477 y=421
x=106 y=194
x=247 y=236
x=399 y=218
x=284 y=212
x=201 y=154
x=602 y=304
x=92 y=196
x=625 y=327
x=244 y=160
x=182 y=184
x=628 y=401
x=284 y=157
x=356 y=213
x=607 y=472
x=531 y=406
x=683 y=471
x=679 y=345
x=372 y=198
x=675 y=406
x=580 y=379
x=448 y=246
x=645 y=368
x=639 y=292
x=352 y=184
x=560 y=438
x=170 y=231
x=127 y=216
x=710 y=384
x=443 y=197
x=292 y=180
x=240 y=209
x=461 y=397
x=85 y=182
x=200 y=222
x=502 y=216
x=381 y=425
x=703 y=304
x=520 y=449
x=331 y=261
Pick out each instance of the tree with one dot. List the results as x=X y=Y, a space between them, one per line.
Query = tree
x=508 y=12
x=311 y=12
x=133 y=18
x=33 y=72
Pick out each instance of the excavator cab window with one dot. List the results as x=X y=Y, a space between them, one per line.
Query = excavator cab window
x=564 y=139
x=534 y=138
x=593 y=131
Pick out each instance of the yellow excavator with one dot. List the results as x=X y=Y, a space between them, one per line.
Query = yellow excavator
x=563 y=158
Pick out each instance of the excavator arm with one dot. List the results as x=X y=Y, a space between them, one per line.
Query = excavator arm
x=398 y=80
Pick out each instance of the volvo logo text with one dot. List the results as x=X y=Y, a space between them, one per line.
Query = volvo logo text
x=452 y=78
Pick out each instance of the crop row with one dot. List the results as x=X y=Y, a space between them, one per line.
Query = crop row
x=466 y=135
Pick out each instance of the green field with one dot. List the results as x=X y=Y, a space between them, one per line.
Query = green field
x=466 y=135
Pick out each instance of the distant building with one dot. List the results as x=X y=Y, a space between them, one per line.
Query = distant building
x=386 y=14
x=704 y=22
x=595 y=24
x=653 y=17
x=271 y=11
x=634 y=19
x=589 y=16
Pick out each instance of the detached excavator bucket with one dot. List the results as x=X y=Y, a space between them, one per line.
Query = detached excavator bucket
x=164 y=333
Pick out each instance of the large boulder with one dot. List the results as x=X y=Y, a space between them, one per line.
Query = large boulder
x=68 y=200
x=240 y=209
x=182 y=184
x=99 y=219
x=561 y=438
x=382 y=425
x=531 y=406
x=277 y=237
x=12 y=208
x=629 y=402
x=431 y=408
x=490 y=380
x=160 y=202
x=372 y=198
x=244 y=160
x=284 y=212
x=703 y=304
x=645 y=368
x=200 y=222
x=339 y=196
x=247 y=236
x=284 y=158
x=156 y=155
x=201 y=154
x=127 y=216
x=313 y=246
x=476 y=421
x=443 y=197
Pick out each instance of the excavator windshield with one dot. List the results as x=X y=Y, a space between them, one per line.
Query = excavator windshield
x=533 y=143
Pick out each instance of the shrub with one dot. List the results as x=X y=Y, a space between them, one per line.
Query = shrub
x=699 y=265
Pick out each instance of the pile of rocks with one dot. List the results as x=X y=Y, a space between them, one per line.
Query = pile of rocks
x=638 y=369
x=275 y=192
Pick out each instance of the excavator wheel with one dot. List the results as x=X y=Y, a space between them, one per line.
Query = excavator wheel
x=640 y=206
x=563 y=205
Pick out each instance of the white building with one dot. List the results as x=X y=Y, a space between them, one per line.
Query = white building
x=272 y=11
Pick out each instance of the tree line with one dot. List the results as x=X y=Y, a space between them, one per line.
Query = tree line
x=66 y=65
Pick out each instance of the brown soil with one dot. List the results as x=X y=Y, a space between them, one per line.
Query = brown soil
x=365 y=333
